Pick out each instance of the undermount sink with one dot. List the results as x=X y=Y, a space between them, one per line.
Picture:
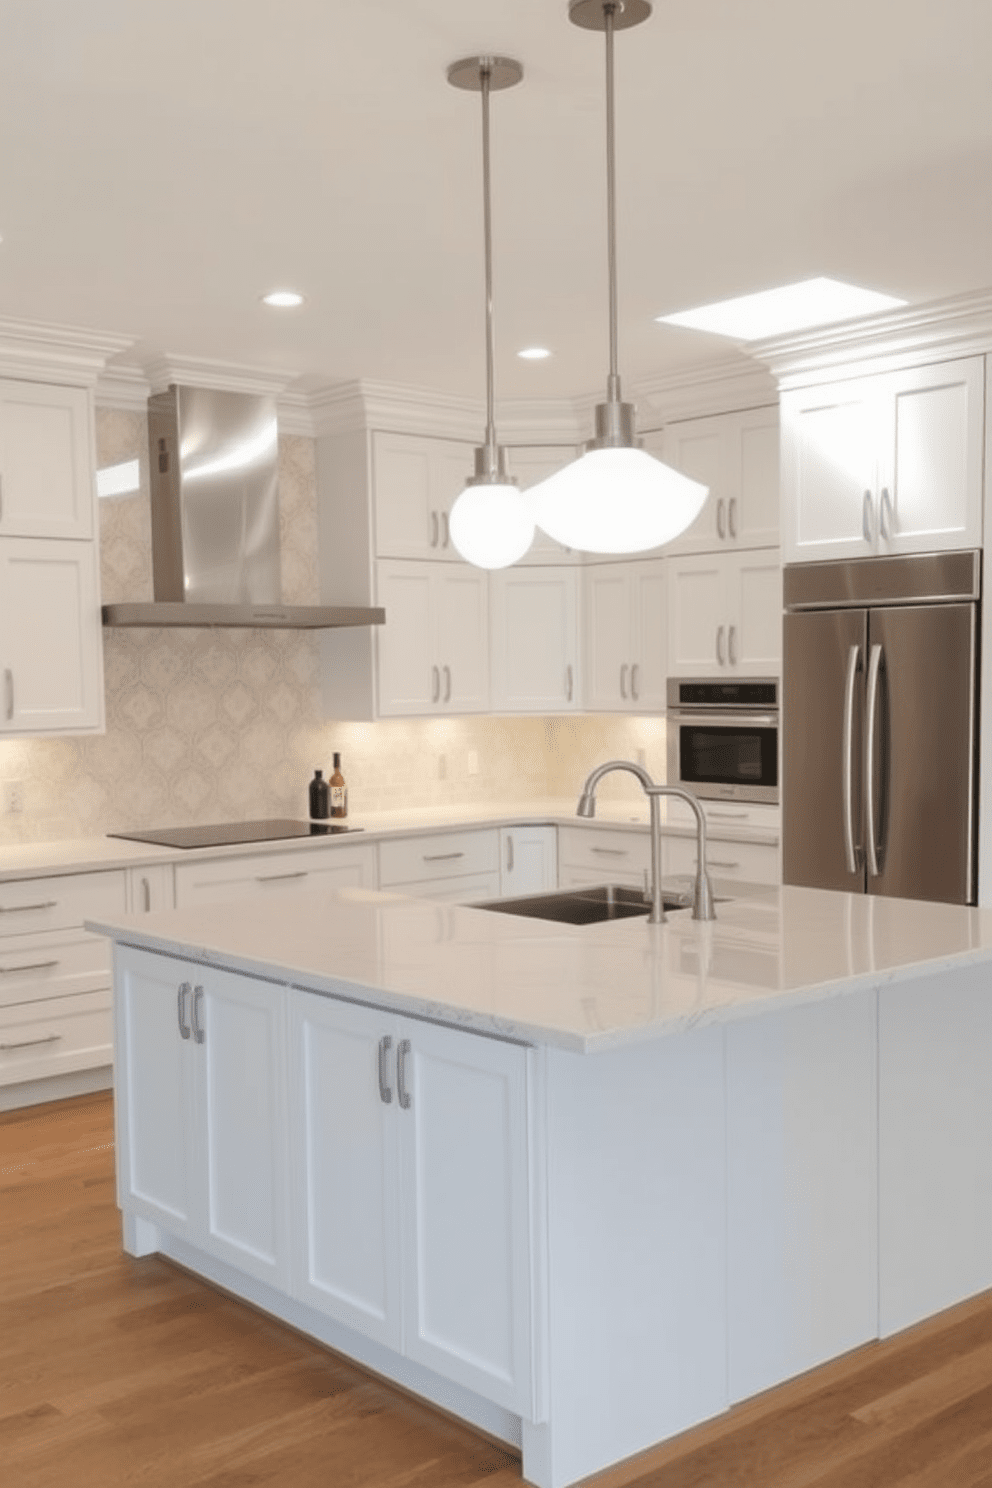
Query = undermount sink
x=586 y=906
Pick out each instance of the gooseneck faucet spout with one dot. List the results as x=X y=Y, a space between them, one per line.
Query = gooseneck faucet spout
x=702 y=896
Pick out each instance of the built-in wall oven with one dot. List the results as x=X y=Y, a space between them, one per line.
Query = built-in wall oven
x=723 y=738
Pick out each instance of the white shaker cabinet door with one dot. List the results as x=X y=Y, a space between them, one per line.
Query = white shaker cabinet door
x=697 y=626
x=829 y=471
x=344 y=1140
x=534 y=640
x=697 y=448
x=649 y=664
x=932 y=459
x=465 y=1165
x=753 y=515
x=239 y=1040
x=409 y=679
x=416 y=481
x=754 y=605
x=609 y=639
x=46 y=461
x=461 y=638
x=51 y=653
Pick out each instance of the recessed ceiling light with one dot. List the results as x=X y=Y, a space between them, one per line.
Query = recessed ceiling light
x=283 y=299
x=791 y=307
x=534 y=353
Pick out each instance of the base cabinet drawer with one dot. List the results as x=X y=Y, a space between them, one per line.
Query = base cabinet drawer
x=31 y=904
x=751 y=862
x=409 y=860
x=35 y=968
x=609 y=856
x=55 y=1036
x=463 y=888
x=215 y=880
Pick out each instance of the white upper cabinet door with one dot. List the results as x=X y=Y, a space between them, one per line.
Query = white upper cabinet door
x=408 y=678
x=51 y=651
x=932 y=465
x=346 y=1180
x=649 y=667
x=239 y=1044
x=754 y=608
x=534 y=640
x=625 y=644
x=465 y=1163
x=697 y=623
x=46 y=461
x=461 y=638
x=415 y=482
x=736 y=455
x=725 y=615
x=885 y=464
x=531 y=464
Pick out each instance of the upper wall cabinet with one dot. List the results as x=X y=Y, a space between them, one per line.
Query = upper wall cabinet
x=415 y=483
x=46 y=461
x=534 y=640
x=625 y=612
x=530 y=464
x=884 y=464
x=736 y=455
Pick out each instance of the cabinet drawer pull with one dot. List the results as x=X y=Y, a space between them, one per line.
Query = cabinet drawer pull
x=184 y=990
x=447 y=684
x=199 y=1032
x=611 y=852
x=866 y=517
x=732 y=645
x=568 y=683
x=8 y=677
x=401 y=1090
x=732 y=516
x=435 y=684
x=720 y=651
x=440 y=857
x=509 y=854
x=885 y=513
x=278 y=877
x=721 y=525
x=146 y=890
x=22 y=908
x=623 y=680
x=434 y=531
x=445 y=529
x=28 y=966
x=635 y=681
x=385 y=1093
x=728 y=815
x=49 y=1038
x=715 y=863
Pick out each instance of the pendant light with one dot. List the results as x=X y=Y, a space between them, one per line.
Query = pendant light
x=615 y=498
x=492 y=521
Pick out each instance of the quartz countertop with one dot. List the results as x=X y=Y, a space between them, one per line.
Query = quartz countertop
x=582 y=989
x=90 y=854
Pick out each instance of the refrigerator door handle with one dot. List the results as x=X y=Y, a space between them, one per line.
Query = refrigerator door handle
x=871 y=708
x=847 y=760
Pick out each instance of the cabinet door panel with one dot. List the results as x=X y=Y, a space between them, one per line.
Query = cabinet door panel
x=408 y=680
x=754 y=521
x=242 y=1067
x=649 y=671
x=465 y=1158
x=461 y=646
x=534 y=621
x=936 y=481
x=401 y=476
x=530 y=464
x=46 y=466
x=697 y=447
x=696 y=618
x=609 y=640
x=829 y=445
x=50 y=642
x=346 y=1213
x=155 y=1091
x=756 y=581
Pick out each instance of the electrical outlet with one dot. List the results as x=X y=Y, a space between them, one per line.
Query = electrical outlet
x=473 y=762
x=13 y=797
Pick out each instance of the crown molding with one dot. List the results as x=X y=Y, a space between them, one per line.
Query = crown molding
x=123 y=386
x=887 y=342
x=347 y=406
x=225 y=377
x=56 y=353
x=725 y=386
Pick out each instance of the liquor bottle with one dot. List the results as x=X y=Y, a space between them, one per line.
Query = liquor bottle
x=320 y=797
x=339 y=791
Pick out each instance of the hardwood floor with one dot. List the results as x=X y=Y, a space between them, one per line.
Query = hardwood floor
x=122 y=1372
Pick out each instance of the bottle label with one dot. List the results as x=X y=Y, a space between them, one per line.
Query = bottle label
x=339 y=800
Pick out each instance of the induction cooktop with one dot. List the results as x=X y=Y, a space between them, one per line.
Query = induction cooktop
x=226 y=834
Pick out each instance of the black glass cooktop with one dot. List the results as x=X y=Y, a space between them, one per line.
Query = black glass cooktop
x=226 y=834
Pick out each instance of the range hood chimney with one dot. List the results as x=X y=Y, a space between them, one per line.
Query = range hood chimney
x=213 y=462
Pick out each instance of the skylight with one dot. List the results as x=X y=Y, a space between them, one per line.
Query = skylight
x=791 y=307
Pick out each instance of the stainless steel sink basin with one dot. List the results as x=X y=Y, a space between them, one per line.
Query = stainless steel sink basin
x=586 y=906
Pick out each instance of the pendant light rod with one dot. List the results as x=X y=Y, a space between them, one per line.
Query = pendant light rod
x=485 y=74
x=613 y=381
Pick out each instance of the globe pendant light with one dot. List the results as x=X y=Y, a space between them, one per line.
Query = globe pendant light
x=492 y=522
x=616 y=498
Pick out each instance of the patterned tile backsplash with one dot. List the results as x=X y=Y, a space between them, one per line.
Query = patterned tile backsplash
x=217 y=725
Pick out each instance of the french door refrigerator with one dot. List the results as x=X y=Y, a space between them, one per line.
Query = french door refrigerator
x=879 y=725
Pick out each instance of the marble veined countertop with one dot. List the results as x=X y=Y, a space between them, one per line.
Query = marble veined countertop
x=90 y=854
x=583 y=989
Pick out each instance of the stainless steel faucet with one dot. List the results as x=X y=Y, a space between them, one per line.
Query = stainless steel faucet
x=702 y=894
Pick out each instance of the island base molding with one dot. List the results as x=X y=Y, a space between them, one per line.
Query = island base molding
x=142 y=1238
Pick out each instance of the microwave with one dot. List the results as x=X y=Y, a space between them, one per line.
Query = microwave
x=723 y=740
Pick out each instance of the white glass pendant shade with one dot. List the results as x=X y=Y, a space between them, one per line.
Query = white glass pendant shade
x=616 y=500
x=492 y=525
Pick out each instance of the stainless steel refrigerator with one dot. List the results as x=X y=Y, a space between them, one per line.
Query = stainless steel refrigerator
x=879 y=725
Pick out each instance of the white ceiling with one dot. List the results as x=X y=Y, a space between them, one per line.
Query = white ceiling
x=161 y=166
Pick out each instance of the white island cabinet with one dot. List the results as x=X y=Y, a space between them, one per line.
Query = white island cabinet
x=584 y=1186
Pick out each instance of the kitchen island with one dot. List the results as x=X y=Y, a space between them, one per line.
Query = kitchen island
x=583 y=1187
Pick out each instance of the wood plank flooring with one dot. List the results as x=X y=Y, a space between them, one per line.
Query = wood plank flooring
x=121 y=1372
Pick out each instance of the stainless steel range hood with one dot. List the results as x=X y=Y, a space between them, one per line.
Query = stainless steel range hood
x=213 y=459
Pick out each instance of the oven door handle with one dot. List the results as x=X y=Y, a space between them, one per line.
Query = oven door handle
x=724 y=720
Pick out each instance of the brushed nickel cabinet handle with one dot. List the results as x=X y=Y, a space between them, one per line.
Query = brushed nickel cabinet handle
x=635 y=681
x=732 y=516
x=568 y=683
x=49 y=1038
x=199 y=1032
x=401 y=1090
x=434 y=529
x=277 y=877
x=867 y=517
x=21 y=908
x=27 y=966
x=623 y=680
x=885 y=514
x=385 y=1092
x=732 y=645
x=440 y=857
x=720 y=652
x=8 y=677
x=509 y=854
x=447 y=684
x=721 y=524
x=146 y=890
x=184 y=991
x=611 y=852
x=435 y=684
x=445 y=529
